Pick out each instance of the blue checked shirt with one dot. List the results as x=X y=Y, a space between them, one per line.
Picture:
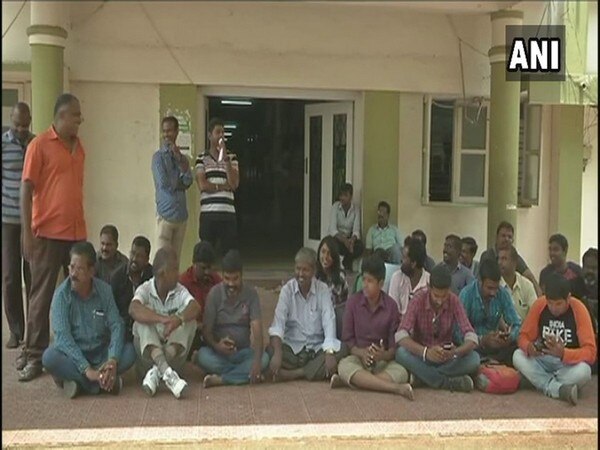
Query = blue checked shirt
x=170 y=184
x=86 y=326
x=501 y=306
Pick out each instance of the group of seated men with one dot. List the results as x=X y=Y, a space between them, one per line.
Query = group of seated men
x=430 y=328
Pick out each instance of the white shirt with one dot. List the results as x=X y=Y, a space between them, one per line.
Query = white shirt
x=402 y=291
x=522 y=293
x=347 y=224
x=305 y=322
x=177 y=300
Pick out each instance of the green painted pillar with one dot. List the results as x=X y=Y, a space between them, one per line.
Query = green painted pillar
x=181 y=101
x=47 y=47
x=380 y=167
x=568 y=122
x=504 y=130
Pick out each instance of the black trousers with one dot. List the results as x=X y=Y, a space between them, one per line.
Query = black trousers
x=348 y=257
x=219 y=228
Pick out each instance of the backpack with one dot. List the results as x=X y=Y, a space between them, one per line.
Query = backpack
x=497 y=379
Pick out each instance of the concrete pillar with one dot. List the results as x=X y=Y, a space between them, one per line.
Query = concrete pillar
x=47 y=38
x=504 y=129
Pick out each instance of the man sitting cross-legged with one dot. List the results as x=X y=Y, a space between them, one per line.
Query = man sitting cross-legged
x=426 y=348
x=303 y=335
x=370 y=321
x=232 y=328
x=164 y=315
x=89 y=352
x=557 y=344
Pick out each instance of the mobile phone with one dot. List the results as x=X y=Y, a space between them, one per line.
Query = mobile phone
x=539 y=345
x=447 y=346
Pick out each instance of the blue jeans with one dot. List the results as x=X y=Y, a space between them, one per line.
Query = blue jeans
x=62 y=367
x=548 y=373
x=437 y=375
x=234 y=369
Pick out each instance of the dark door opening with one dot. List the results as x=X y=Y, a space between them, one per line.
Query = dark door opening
x=267 y=135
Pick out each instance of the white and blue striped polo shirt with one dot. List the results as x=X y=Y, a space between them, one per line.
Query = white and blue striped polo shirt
x=220 y=202
x=13 y=155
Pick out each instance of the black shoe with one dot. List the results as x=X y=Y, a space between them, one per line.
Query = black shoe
x=21 y=360
x=568 y=393
x=117 y=387
x=13 y=341
x=32 y=370
x=461 y=384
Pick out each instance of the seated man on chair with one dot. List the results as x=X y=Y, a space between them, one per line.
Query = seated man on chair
x=385 y=236
x=303 y=334
x=89 y=353
x=344 y=225
x=557 y=344
x=232 y=328
x=164 y=315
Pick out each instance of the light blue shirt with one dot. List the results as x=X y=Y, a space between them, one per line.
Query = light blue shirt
x=170 y=184
x=461 y=276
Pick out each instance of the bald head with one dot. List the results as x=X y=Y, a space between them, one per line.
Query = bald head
x=164 y=259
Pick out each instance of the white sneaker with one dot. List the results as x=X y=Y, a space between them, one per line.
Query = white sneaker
x=174 y=383
x=151 y=381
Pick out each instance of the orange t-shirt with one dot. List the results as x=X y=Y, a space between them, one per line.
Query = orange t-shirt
x=57 y=178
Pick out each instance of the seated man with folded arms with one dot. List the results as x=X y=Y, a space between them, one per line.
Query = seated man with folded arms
x=164 y=315
x=491 y=311
x=385 y=236
x=232 y=328
x=557 y=344
x=303 y=335
x=520 y=288
x=89 y=353
x=199 y=279
x=128 y=278
x=425 y=337
x=370 y=321
x=109 y=259
x=411 y=277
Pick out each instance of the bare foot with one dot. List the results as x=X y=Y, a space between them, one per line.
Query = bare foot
x=336 y=381
x=212 y=380
x=405 y=390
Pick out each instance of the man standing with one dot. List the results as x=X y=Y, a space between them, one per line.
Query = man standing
x=505 y=234
x=232 y=328
x=556 y=344
x=164 y=315
x=128 y=278
x=384 y=236
x=89 y=352
x=491 y=312
x=52 y=220
x=303 y=334
x=558 y=246
x=110 y=259
x=218 y=177
x=520 y=288
x=14 y=267
x=344 y=225
x=172 y=177
x=461 y=276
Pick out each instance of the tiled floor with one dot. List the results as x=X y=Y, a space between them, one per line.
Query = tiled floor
x=40 y=405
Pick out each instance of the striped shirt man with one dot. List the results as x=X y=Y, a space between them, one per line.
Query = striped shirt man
x=13 y=155
x=220 y=203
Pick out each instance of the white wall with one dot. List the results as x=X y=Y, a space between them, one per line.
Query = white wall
x=589 y=207
x=120 y=134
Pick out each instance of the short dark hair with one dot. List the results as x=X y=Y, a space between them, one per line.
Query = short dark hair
x=374 y=266
x=504 y=224
x=440 y=277
x=416 y=252
x=472 y=243
x=62 y=100
x=203 y=253
x=346 y=189
x=382 y=254
x=171 y=119
x=557 y=287
x=85 y=249
x=560 y=240
x=215 y=121
x=590 y=253
x=489 y=270
x=142 y=241
x=164 y=257
x=386 y=205
x=111 y=230
x=232 y=262
x=420 y=234
x=456 y=241
x=22 y=107
x=512 y=253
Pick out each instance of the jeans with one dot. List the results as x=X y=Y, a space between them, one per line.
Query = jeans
x=438 y=375
x=548 y=373
x=63 y=368
x=234 y=369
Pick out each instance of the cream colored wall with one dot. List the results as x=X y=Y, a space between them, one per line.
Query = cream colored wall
x=120 y=134
x=589 y=210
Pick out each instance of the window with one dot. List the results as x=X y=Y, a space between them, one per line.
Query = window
x=456 y=151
